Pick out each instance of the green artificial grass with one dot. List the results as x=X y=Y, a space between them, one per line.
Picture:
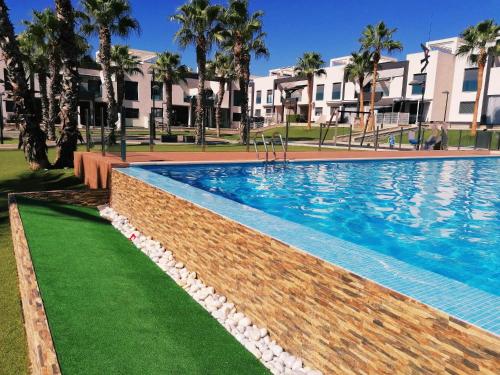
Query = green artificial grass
x=111 y=310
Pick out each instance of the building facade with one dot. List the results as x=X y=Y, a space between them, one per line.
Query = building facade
x=449 y=93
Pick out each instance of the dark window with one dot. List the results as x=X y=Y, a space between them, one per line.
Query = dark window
x=336 y=90
x=258 y=98
x=236 y=99
x=94 y=87
x=257 y=113
x=236 y=116
x=470 y=80
x=7 y=84
x=318 y=111
x=269 y=96
x=320 y=92
x=157 y=91
x=131 y=112
x=269 y=111
x=466 y=107
x=417 y=89
x=131 y=90
x=9 y=106
x=158 y=112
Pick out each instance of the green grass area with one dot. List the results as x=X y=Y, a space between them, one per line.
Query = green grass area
x=196 y=148
x=112 y=310
x=15 y=176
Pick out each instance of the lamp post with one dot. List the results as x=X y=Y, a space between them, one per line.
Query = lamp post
x=421 y=84
x=447 y=93
x=1 y=118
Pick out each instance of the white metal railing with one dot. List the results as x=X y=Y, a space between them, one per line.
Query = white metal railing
x=393 y=118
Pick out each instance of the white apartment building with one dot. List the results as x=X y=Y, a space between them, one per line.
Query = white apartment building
x=450 y=88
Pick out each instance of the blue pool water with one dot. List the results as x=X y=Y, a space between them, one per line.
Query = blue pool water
x=442 y=215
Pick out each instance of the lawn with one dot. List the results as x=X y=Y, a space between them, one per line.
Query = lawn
x=112 y=310
x=15 y=176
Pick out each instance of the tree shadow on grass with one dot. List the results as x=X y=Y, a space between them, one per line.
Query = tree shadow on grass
x=58 y=209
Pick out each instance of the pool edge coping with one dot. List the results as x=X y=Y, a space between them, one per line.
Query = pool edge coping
x=380 y=257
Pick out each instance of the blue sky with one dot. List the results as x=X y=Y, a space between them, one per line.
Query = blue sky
x=331 y=27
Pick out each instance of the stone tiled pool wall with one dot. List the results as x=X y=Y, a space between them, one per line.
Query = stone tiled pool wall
x=338 y=321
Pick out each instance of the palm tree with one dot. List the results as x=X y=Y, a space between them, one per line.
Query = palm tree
x=308 y=66
x=377 y=39
x=36 y=64
x=356 y=72
x=478 y=42
x=221 y=68
x=43 y=30
x=31 y=137
x=169 y=70
x=69 y=46
x=198 y=24
x=106 y=18
x=123 y=63
x=242 y=35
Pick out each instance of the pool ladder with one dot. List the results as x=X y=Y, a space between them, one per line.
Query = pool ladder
x=275 y=137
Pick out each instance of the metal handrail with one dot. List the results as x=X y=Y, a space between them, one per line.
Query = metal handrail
x=255 y=146
x=281 y=141
x=265 y=147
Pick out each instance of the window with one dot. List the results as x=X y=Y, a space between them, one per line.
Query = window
x=336 y=89
x=417 y=89
x=156 y=90
x=269 y=96
x=470 y=80
x=257 y=113
x=320 y=92
x=466 y=107
x=236 y=99
x=94 y=87
x=9 y=106
x=318 y=111
x=158 y=112
x=258 y=98
x=131 y=112
x=131 y=90
x=236 y=116
x=269 y=111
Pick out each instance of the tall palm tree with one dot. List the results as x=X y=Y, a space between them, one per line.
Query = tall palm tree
x=106 y=18
x=479 y=41
x=309 y=66
x=221 y=68
x=44 y=29
x=31 y=137
x=123 y=63
x=36 y=64
x=68 y=44
x=169 y=70
x=198 y=24
x=377 y=39
x=356 y=71
x=242 y=35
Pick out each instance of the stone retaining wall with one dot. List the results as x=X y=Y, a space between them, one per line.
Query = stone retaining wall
x=41 y=352
x=338 y=322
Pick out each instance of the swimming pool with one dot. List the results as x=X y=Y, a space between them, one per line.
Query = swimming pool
x=440 y=216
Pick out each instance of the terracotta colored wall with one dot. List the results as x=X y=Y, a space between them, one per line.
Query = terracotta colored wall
x=339 y=322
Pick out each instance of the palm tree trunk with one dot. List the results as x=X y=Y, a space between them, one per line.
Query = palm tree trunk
x=201 y=60
x=218 y=108
x=31 y=137
x=244 y=81
x=372 y=96
x=480 y=72
x=105 y=59
x=310 y=83
x=167 y=116
x=361 y=104
x=70 y=134
x=54 y=90
x=42 y=82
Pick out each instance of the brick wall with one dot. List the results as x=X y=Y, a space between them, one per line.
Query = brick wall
x=339 y=322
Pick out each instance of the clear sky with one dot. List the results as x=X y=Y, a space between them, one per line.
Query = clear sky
x=331 y=27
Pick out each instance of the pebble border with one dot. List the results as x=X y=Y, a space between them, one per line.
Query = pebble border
x=255 y=339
